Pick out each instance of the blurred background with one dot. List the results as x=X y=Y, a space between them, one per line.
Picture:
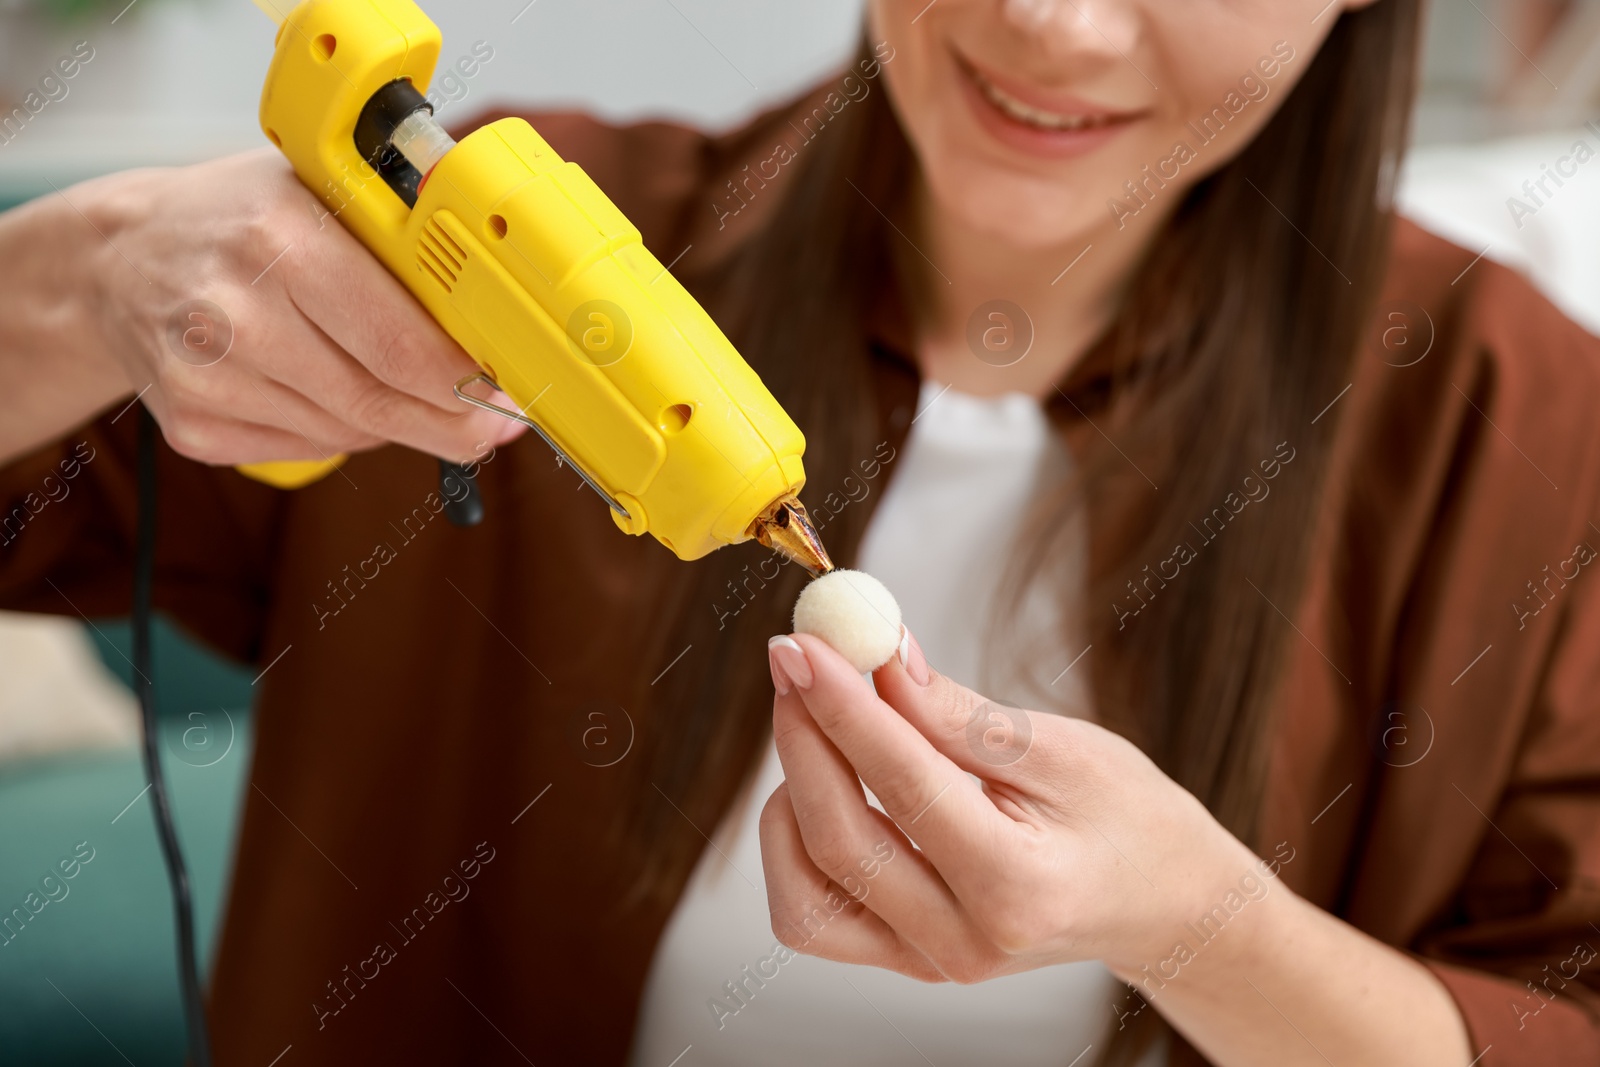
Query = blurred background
x=1510 y=88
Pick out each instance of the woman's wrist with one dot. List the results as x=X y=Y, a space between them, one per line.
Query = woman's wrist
x=1261 y=930
x=113 y=277
x=1209 y=905
x=57 y=365
x=1285 y=982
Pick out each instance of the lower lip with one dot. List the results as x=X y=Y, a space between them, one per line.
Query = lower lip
x=1048 y=144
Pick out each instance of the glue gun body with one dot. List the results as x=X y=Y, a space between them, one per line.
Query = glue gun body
x=541 y=279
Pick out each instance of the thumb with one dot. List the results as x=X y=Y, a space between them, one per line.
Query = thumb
x=981 y=736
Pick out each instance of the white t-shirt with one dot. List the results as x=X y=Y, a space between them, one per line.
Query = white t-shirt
x=716 y=995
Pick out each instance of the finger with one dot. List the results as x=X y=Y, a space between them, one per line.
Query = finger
x=992 y=740
x=815 y=915
x=208 y=439
x=235 y=386
x=241 y=393
x=364 y=311
x=858 y=847
x=322 y=367
x=283 y=407
x=375 y=410
x=934 y=801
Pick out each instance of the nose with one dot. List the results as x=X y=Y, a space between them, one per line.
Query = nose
x=1077 y=28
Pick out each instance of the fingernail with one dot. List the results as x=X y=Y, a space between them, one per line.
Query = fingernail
x=911 y=657
x=789 y=664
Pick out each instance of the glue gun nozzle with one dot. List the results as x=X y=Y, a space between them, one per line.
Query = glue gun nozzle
x=786 y=528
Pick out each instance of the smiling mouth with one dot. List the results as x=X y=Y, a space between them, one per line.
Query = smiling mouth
x=1038 y=118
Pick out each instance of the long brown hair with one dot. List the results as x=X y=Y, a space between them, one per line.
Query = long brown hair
x=1239 y=328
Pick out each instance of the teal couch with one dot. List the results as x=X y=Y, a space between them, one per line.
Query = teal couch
x=92 y=977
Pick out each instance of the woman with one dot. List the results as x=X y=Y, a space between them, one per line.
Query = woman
x=1190 y=443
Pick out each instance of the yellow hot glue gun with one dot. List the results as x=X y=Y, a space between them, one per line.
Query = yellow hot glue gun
x=542 y=280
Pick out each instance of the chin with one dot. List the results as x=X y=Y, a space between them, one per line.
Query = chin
x=1015 y=210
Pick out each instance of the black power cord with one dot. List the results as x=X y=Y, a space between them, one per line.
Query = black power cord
x=463 y=500
x=194 y=1009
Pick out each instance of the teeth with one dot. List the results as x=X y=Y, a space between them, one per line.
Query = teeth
x=1045 y=120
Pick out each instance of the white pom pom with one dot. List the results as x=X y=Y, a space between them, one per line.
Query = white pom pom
x=853 y=612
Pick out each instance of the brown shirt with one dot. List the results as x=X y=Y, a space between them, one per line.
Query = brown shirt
x=418 y=878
